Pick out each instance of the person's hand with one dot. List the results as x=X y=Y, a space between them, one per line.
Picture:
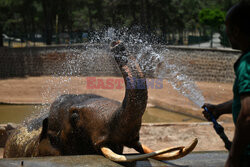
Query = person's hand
x=213 y=109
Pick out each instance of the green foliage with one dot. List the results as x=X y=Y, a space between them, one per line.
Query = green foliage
x=160 y=17
x=212 y=17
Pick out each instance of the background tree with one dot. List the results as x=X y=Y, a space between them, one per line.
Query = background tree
x=9 y=19
x=213 y=18
x=3 y=17
x=167 y=20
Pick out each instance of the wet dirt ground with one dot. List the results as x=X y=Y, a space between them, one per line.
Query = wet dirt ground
x=37 y=90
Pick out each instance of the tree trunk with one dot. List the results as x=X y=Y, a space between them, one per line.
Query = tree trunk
x=163 y=30
x=90 y=19
x=1 y=36
x=180 y=40
x=25 y=29
x=132 y=12
x=142 y=13
x=33 y=29
x=48 y=21
x=211 y=43
x=148 y=16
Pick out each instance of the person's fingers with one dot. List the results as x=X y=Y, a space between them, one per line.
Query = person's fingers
x=204 y=105
x=209 y=106
x=206 y=115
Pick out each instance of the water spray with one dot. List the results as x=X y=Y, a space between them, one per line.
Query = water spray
x=219 y=130
x=161 y=62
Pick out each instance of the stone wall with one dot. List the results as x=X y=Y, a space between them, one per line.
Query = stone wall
x=58 y=60
x=207 y=64
x=200 y=64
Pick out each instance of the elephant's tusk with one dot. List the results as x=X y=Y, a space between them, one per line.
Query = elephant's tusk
x=108 y=153
x=172 y=155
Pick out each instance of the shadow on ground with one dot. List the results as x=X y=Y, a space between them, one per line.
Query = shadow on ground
x=206 y=159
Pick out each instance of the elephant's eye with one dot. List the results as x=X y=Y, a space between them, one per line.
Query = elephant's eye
x=54 y=140
x=74 y=117
x=75 y=111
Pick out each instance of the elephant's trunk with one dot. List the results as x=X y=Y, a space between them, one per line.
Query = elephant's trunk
x=136 y=95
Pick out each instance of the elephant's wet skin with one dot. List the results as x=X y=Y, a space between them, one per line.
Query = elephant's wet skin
x=91 y=124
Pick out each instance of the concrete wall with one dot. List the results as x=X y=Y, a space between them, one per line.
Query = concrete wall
x=207 y=64
x=200 y=64
x=58 y=60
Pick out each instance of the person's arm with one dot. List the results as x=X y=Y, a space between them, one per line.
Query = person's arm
x=241 y=135
x=218 y=110
x=225 y=108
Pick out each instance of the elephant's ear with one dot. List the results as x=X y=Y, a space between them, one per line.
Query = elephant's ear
x=44 y=129
x=44 y=146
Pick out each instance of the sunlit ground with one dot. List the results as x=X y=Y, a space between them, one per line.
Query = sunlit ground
x=163 y=103
x=23 y=44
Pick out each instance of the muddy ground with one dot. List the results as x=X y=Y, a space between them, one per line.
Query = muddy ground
x=36 y=90
x=33 y=90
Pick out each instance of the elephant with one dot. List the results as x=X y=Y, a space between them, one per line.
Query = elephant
x=91 y=124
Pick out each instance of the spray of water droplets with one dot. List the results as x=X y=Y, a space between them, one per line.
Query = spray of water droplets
x=158 y=61
x=155 y=60
x=79 y=61
x=165 y=65
x=174 y=73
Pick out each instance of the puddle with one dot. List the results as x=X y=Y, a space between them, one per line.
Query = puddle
x=157 y=115
x=17 y=113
